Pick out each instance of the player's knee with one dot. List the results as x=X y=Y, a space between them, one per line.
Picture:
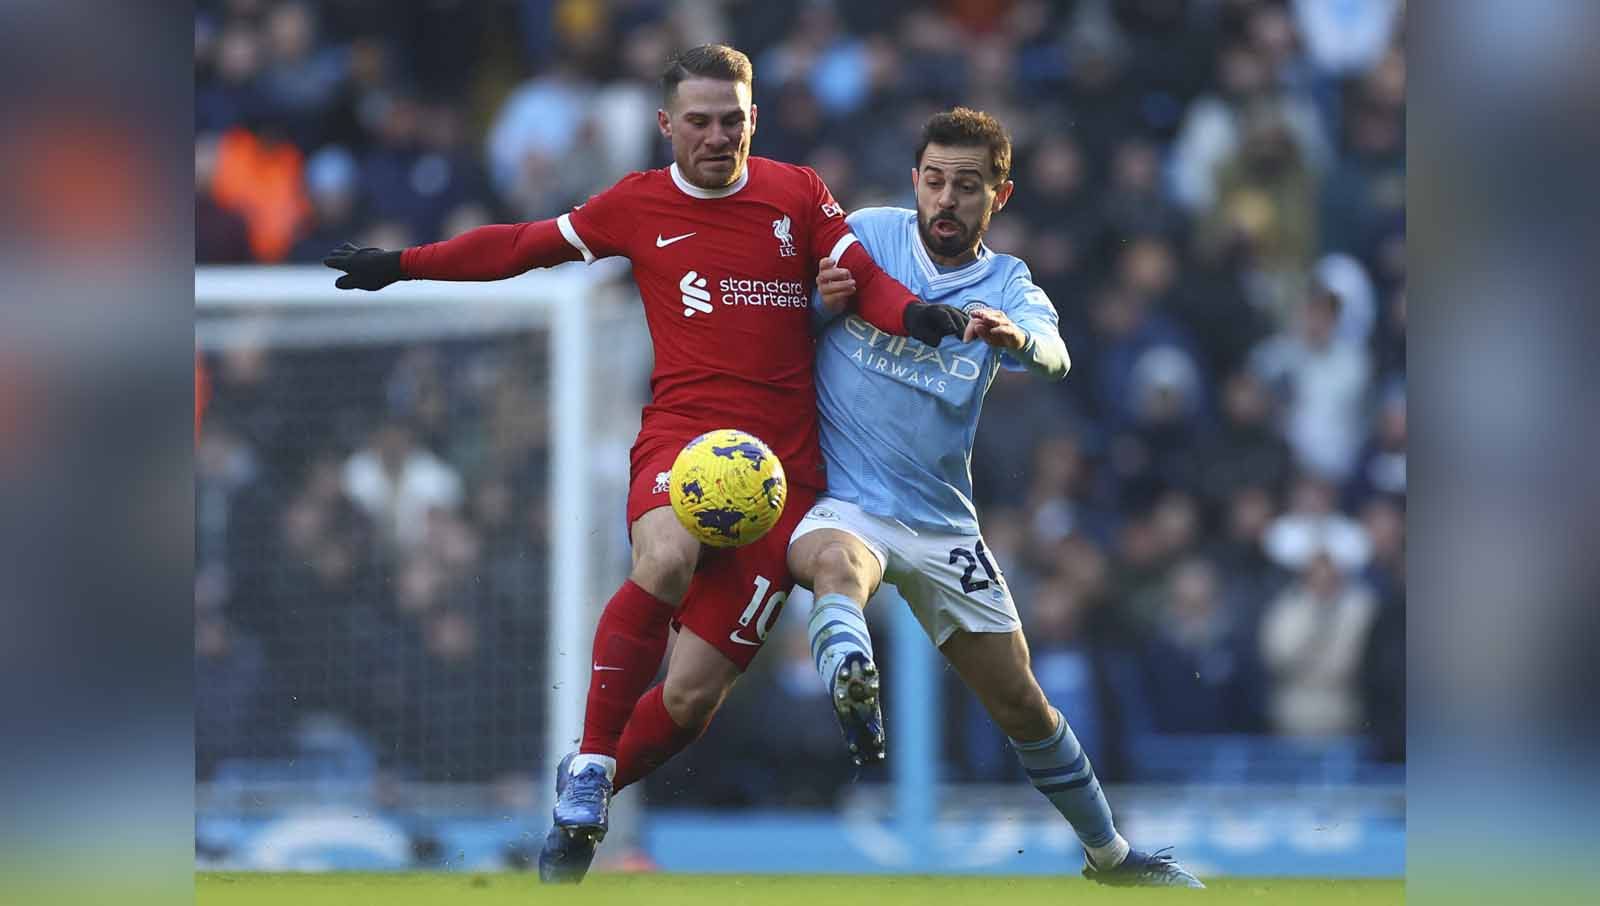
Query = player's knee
x=665 y=571
x=692 y=705
x=840 y=565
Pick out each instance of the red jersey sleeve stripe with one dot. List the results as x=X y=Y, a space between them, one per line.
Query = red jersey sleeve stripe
x=564 y=222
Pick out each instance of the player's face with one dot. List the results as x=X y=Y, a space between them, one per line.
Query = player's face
x=956 y=195
x=709 y=123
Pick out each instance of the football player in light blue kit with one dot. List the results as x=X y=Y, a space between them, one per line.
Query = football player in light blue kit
x=898 y=419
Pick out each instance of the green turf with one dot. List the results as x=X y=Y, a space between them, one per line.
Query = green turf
x=213 y=889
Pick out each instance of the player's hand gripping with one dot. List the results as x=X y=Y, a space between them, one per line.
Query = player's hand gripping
x=931 y=323
x=836 y=285
x=993 y=327
x=365 y=268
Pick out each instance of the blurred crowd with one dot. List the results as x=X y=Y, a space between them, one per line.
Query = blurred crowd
x=1204 y=525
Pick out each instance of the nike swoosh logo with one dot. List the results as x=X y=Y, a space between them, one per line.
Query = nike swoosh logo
x=663 y=243
x=734 y=636
x=598 y=667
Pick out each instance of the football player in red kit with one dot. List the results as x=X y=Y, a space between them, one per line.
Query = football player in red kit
x=724 y=249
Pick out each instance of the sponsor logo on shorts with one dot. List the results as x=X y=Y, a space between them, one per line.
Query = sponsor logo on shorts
x=821 y=512
x=735 y=637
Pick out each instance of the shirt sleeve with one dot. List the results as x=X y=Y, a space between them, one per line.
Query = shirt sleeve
x=1045 y=353
x=603 y=226
x=880 y=299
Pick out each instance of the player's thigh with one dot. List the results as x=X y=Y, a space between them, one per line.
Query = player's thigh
x=837 y=535
x=737 y=594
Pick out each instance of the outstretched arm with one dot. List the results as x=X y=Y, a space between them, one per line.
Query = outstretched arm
x=491 y=252
x=1042 y=352
x=597 y=229
x=486 y=253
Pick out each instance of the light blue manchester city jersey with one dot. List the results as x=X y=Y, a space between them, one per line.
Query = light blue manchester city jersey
x=898 y=416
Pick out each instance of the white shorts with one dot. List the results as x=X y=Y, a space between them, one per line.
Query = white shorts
x=949 y=579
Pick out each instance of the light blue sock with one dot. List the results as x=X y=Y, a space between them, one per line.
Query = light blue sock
x=1058 y=767
x=837 y=628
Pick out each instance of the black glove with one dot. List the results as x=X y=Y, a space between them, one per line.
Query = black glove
x=931 y=323
x=369 y=268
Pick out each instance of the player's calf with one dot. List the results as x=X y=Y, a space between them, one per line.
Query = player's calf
x=841 y=646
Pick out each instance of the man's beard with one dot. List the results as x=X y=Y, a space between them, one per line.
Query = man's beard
x=952 y=246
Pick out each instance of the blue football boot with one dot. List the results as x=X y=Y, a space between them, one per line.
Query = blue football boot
x=855 y=701
x=581 y=819
x=1141 y=869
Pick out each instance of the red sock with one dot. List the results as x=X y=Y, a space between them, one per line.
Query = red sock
x=628 y=646
x=651 y=738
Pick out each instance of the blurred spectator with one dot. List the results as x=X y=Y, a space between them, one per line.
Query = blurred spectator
x=1200 y=666
x=1102 y=103
x=1366 y=190
x=1031 y=413
x=832 y=63
x=228 y=59
x=1245 y=449
x=1127 y=325
x=1060 y=496
x=418 y=171
x=1322 y=379
x=1214 y=127
x=398 y=482
x=1384 y=521
x=1347 y=36
x=1313 y=527
x=1252 y=576
x=1381 y=468
x=1344 y=277
x=1265 y=200
x=259 y=174
x=331 y=183
x=230 y=682
x=221 y=235
x=1313 y=637
x=1135 y=203
x=302 y=79
x=538 y=140
x=1390 y=338
x=448 y=724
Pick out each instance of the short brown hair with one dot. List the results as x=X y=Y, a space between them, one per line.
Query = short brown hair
x=708 y=61
x=964 y=126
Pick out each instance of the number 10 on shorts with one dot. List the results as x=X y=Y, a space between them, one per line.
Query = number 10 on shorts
x=761 y=612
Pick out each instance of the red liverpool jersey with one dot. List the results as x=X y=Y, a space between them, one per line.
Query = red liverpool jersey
x=726 y=277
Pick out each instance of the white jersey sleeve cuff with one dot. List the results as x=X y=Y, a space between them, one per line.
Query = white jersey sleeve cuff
x=564 y=222
x=845 y=241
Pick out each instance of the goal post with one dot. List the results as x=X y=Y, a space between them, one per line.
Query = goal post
x=596 y=380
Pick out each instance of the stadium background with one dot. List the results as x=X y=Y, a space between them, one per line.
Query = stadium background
x=1204 y=525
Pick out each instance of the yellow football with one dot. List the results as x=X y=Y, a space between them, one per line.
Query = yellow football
x=727 y=488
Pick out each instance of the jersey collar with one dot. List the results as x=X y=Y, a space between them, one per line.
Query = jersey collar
x=938 y=283
x=689 y=188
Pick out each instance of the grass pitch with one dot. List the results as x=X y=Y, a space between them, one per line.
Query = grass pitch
x=214 y=889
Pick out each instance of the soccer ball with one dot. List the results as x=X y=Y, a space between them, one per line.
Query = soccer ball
x=727 y=488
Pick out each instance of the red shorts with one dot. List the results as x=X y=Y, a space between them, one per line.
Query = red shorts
x=737 y=593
